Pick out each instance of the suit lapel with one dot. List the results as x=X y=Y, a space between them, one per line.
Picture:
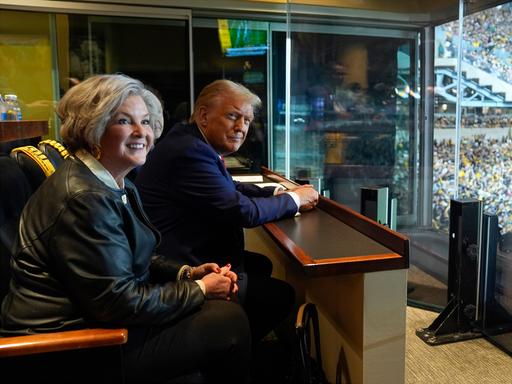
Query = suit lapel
x=220 y=163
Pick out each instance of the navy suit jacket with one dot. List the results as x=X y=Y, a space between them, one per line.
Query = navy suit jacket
x=192 y=200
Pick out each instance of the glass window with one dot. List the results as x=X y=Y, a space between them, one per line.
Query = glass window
x=354 y=96
x=471 y=155
x=236 y=50
x=133 y=46
x=277 y=140
x=485 y=148
x=486 y=118
x=26 y=62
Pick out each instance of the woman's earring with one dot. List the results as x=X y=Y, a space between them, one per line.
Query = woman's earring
x=96 y=151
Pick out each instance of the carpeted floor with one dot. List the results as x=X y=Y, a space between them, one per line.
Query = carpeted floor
x=425 y=290
x=468 y=362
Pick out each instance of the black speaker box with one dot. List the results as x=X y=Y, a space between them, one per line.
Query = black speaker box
x=464 y=254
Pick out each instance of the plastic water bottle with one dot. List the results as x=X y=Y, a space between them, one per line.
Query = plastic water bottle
x=3 y=109
x=13 y=108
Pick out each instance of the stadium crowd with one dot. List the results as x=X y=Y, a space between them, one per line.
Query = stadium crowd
x=501 y=120
x=486 y=40
x=485 y=173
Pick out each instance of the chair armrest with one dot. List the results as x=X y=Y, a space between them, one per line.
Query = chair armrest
x=61 y=341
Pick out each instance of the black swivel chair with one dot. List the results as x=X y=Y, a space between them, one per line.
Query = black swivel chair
x=34 y=164
x=51 y=357
x=54 y=151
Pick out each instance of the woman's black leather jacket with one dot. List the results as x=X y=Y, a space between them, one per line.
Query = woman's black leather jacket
x=84 y=259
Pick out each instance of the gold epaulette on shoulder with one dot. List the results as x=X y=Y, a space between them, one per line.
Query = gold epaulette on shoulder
x=38 y=157
x=58 y=146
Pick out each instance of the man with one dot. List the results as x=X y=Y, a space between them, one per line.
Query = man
x=201 y=212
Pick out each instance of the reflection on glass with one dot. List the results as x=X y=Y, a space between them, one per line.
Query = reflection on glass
x=236 y=50
x=352 y=103
x=242 y=37
x=94 y=44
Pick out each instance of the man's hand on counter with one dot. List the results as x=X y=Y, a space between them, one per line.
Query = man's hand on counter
x=308 y=197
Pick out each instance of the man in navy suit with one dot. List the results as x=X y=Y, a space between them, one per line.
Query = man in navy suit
x=201 y=212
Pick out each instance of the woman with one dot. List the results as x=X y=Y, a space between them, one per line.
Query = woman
x=86 y=251
x=156 y=113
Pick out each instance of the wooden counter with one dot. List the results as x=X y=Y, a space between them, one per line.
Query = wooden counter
x=355 y=271
x=25 y=129
x=333 y=239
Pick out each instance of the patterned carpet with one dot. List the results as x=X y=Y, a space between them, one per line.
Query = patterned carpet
x=468 y=362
